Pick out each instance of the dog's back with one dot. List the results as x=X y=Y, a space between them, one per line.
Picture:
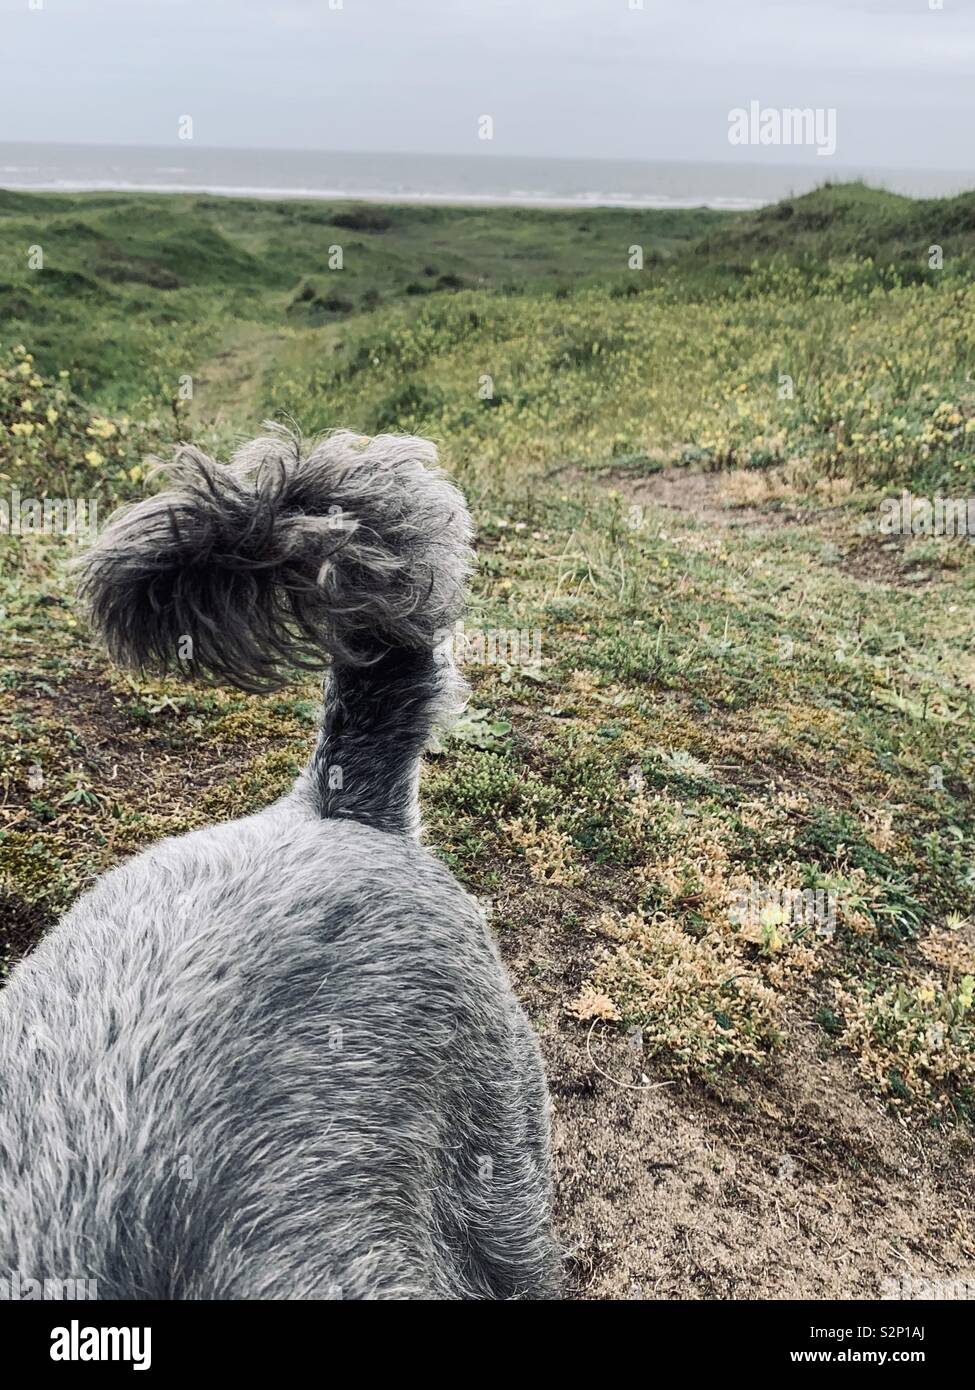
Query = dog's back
x=280 y=1057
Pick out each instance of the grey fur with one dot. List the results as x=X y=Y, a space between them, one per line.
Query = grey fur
x=280 y=1058
x=282 y=559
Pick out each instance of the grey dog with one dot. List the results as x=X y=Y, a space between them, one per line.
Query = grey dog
x=281 y=1058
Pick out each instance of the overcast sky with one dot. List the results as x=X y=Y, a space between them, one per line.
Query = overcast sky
x=559 y=77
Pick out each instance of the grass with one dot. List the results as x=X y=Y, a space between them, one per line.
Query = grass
x=137 y=290
x=744 y=696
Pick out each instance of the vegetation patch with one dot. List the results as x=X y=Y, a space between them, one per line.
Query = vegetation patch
x=742 y=700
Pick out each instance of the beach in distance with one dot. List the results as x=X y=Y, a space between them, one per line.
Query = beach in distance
x=484 y=178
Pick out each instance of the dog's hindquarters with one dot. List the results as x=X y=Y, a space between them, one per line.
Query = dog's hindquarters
x=346 y=1103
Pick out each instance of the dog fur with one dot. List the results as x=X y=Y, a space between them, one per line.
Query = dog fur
x=281 y=1058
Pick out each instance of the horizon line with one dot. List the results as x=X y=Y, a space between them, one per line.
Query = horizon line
x=480 y=153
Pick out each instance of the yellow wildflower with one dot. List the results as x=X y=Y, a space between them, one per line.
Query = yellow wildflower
x=100 y=428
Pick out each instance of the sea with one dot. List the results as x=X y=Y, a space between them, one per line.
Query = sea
x=482 y=178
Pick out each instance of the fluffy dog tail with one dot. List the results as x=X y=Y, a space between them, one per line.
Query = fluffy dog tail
x=354 y=555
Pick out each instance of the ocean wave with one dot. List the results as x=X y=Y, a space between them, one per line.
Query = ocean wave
x=516 y=197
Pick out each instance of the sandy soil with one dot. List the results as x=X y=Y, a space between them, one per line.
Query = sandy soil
x=789 y=1183
x=792 y=1182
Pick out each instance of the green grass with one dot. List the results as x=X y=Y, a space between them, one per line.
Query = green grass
x=137 y=290
x=750 y=690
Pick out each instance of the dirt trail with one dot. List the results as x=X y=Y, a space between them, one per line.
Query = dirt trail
x=790 y=1185
x=707 y=499
x=792 y=1182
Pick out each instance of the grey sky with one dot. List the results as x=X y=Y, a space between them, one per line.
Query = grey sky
x=559 y=77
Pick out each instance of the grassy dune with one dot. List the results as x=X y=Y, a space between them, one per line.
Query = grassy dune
x=744 y=689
